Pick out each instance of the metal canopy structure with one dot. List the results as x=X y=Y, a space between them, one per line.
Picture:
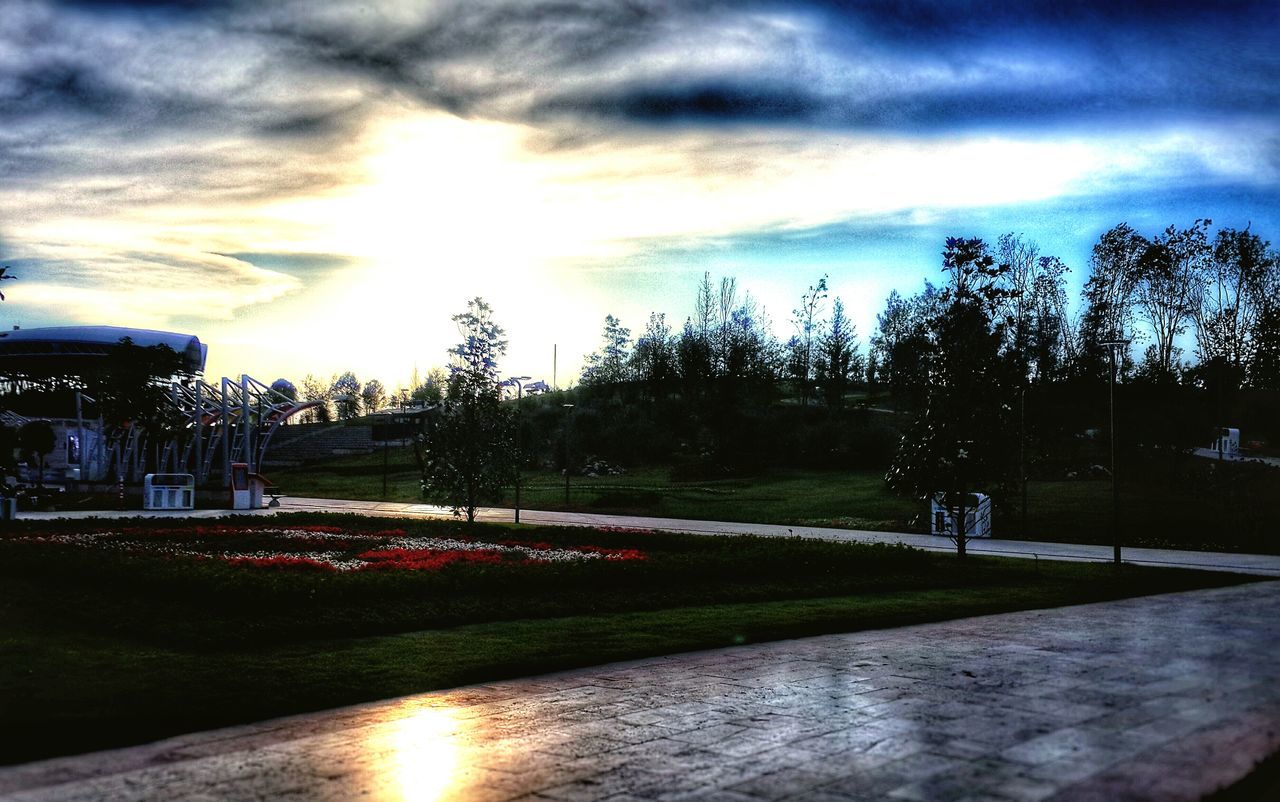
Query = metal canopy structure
x=220 y=424
x=231 y=422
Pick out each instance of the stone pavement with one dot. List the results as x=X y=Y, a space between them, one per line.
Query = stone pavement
x=1261 y=564
x=1157 y=698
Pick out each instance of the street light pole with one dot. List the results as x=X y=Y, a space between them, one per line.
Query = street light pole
x=519 y=383
x=1112 y=345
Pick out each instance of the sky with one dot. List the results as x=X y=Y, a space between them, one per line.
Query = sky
x=317 y=187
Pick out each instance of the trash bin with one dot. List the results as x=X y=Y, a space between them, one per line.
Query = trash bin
x=168 y=491
x=977 y=515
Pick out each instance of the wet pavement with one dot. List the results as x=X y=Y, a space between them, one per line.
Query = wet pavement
x=1158 y=698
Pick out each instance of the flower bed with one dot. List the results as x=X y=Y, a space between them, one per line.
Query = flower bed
x=327 y=548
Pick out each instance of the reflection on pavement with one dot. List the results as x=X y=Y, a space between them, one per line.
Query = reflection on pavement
x=425 y=755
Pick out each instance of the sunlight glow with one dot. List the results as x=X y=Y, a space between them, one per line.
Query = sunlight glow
x=425 y=756
x=440 y=209
x=433 y=209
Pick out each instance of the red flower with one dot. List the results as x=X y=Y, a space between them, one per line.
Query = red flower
x=426 y=559
x=282 y=563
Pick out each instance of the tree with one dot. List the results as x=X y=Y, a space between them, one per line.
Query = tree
x=467 y=454
x=314 y=389
x=373 y=396
x=901 y=345
x=838 y=361
x=4 y=276
x=483 y=341
x=808 y=331
x=610 y=364
x=1168 y=288
x=1264 y=363
x=653 y=361
x=345 y=392
x=960 y=441
x=1235 y=298
x=134 y=389
x=285 y=389
x=1109 y=299
x=693 y=359
x=431 y=389
x=1264 y=358
x=1033 y=312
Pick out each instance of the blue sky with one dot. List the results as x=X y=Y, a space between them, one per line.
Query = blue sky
x=315 y=187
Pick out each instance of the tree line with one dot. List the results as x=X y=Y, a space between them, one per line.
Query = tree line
x=982 y=367
x=727 y=347
x=341 y=398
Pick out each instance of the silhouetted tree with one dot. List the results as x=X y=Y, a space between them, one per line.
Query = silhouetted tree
x=467 y=454
x=345 y=392
x=838 y=362
x=1108 y=300
x=132 y=383
x=314 y=389
x=609 y=365
x=373 y=395
x=1171 y=274
x=808 y=331
x=1037 y=333
x=902 y=343
x=960 y=441
x=653 y=360
x=432 y=388
x=1234 y=299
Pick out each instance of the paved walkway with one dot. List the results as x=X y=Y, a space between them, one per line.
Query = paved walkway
x=1261 y=564
x=1159 y=698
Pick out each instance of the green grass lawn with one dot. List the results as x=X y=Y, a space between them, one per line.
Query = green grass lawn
x=1155 y=513
x=104 y=647
x=853 y=499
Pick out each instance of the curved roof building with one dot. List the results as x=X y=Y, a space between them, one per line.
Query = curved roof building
x=70 y=350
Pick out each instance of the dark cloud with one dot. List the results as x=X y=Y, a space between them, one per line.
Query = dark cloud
x=702 y=101
x=939 y=20
x=102 y=86
x=468 y=57
x=58 y=87
x=145 y=107
x=932 y=66
x=261 y=70
x=936 y=67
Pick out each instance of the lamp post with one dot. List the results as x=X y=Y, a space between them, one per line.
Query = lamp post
x=1112 y=345
x=518 y=381
x=569 y=416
